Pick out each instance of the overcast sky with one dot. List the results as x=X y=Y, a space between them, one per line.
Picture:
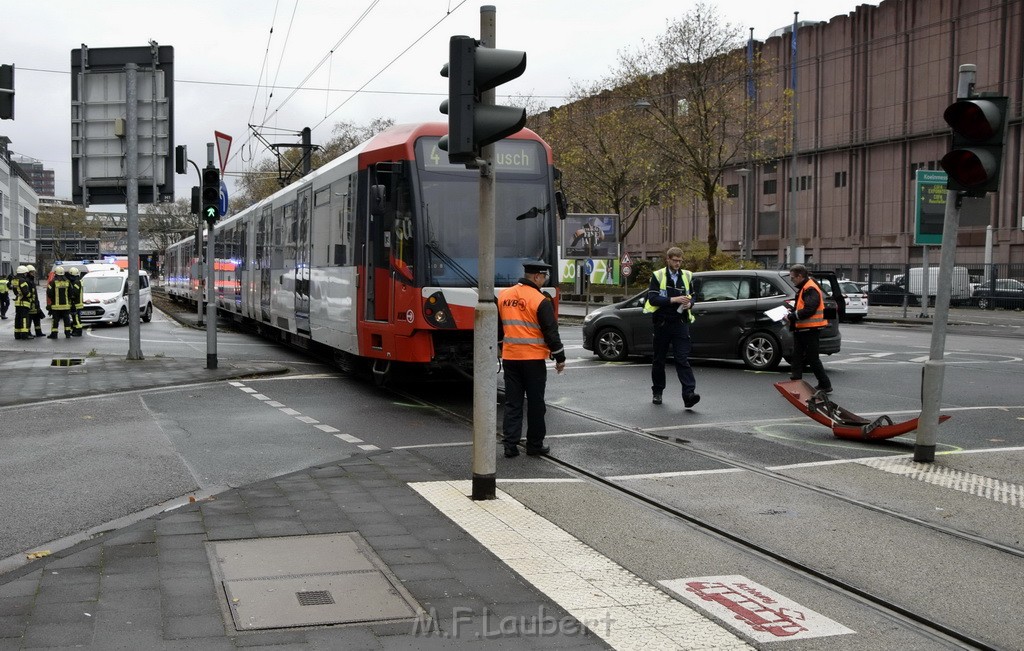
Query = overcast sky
x=229 y=54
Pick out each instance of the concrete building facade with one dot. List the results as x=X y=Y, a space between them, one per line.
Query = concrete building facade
x=19 y=205
x=871 y=88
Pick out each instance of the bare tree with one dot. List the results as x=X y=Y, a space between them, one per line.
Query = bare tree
x=271 y=174
x=606 y=166
x=166 y=223
x=695 y=80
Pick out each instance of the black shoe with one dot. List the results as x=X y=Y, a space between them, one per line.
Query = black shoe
x=656 y=399
x=76 y=333
x=52 y=335
x=690 y=400
x=511 y=451
x=67 y=335
x=544 y=449
x=40 y=334
x=822 y=389
x=794 y=379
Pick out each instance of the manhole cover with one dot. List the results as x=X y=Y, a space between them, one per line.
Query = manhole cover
x=73 y=361
x=307 y=581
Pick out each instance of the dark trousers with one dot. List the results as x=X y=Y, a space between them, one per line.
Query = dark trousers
x=675 y=335
x=5 y=302
x=805 y=355
x=58 y=317
x=35 y=315
x=76 y=323
x=21 y=324
x=525 y=378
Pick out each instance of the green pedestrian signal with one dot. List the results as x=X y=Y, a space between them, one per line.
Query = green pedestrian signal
x=211 y=193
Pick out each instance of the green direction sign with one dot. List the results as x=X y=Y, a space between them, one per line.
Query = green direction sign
x=929 y=206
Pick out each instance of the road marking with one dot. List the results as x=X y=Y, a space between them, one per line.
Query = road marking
x=679 y=473
x=348 y=438
x=996 y=490
x=289 y=411
x=327 y=428
x=616 y=605
x=923 y=358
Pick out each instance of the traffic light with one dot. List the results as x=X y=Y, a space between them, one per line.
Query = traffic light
x=211 y=194
x=975 y=162
x=6 y=92
x=471 y=70
x=180 y=159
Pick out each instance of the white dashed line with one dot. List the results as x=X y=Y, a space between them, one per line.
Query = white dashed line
x=966 y=482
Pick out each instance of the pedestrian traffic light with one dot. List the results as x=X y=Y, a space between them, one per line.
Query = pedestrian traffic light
x=471 y=70
x=979 y=127
x=6 y=92
x=180 y=159
x=211 y=194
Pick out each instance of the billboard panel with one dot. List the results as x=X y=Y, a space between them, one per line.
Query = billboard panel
x=590 y=236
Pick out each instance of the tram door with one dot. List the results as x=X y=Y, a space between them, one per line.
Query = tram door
x=378 y=245
x=302 y=259
x=264 y=236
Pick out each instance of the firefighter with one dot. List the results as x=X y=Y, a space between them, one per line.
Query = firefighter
x=76 y=296
x=59 y=301
x=22 y=303
x=35 y=312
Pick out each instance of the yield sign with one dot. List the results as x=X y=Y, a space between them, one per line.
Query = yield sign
x=223 y=141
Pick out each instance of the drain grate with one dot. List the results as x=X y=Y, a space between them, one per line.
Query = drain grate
x=315 y=598
x=72 y=361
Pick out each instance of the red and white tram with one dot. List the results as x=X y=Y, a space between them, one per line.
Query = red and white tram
x=374 y=255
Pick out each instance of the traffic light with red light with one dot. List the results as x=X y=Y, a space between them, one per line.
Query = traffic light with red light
x=471 y=70
x=979 y=127
x=6 y=92
x=211 y=193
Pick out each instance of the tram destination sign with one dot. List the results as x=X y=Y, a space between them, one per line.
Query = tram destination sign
x=515 y=156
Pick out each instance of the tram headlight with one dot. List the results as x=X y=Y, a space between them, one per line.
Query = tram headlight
x=436 y=311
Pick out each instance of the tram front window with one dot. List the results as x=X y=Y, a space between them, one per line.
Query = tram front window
x=450 y=209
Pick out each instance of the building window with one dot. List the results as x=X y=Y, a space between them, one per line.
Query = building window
x=771 y=168
x=770 y=186
x=841 y=179
x=732 y=190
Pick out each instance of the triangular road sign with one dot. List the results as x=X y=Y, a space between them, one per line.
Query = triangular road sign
x=223 y=141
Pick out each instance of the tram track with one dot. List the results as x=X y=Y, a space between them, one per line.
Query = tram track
x=917 y=621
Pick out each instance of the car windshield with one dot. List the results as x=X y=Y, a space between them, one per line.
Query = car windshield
x=850 y=288
x=101 y=284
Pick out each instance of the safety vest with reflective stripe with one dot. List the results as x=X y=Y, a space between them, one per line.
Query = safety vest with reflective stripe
x=523 y=338
x=22 y=293
x=662 y=276
x=57 y=291
x=3 y=285
x=817 y=320
x=75 y=293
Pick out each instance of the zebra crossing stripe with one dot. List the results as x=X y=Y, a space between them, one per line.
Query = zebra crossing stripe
x=966 y=482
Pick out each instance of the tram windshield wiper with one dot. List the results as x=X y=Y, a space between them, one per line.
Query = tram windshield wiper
x=533 y=213
x=433 y=248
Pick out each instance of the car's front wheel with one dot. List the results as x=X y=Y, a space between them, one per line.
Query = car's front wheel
x=761 y=352
x=122 y=318
x=984 y=303
x=147 y=316
x=610 y=345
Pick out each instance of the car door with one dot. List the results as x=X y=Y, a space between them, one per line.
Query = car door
x=724 y=309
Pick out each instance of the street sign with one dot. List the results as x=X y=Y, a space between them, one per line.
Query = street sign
x=590 y=266
x=627 y=270
x=223 y=141
x=626 y=260
x=223 y=197
x=930 y=206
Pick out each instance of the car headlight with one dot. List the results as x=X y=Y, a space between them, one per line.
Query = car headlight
x=590 y=317
x=109 y=301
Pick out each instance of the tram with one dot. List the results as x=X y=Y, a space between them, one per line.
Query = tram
x=373 y=256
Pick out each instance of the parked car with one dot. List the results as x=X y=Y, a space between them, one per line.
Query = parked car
x=1008 y=293
x=891 y=294
x=730 y=320
x=856 y=301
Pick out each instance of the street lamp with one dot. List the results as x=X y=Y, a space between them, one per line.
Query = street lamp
x=747 y=250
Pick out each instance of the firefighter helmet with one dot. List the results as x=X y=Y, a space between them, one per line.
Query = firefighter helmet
x=22 y=269
x=58 y=270
x=74 y=271
x=30 y=268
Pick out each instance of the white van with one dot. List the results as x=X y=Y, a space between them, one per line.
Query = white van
x=961 y=288
x=105 y=297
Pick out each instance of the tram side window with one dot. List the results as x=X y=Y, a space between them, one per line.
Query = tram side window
x=402 y=239
x=343 y=201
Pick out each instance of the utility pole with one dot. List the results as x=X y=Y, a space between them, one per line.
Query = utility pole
x=132 y=174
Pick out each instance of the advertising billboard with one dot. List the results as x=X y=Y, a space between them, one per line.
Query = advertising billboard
x=590 y=236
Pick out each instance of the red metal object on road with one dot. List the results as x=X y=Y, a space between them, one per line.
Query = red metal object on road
x=845 y=424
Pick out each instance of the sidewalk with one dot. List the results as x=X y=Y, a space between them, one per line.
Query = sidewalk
x=286 y=563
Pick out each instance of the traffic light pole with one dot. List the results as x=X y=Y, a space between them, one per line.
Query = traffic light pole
x=934 y=369
x=211 y=281
x=485 y=318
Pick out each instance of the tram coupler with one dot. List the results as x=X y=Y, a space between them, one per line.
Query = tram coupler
x=844 y=423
